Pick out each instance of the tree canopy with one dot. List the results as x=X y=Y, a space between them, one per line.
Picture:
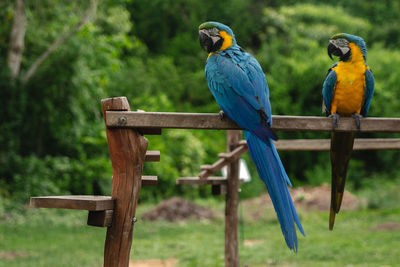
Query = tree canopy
x=52 y=133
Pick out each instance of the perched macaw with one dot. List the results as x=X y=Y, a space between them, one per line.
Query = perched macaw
x=239 y=86
x=347 y=91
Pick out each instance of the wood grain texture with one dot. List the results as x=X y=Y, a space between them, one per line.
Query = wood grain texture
x=232 y=201
x=226 y=158
x=213 y=121
x=218 y=189
x=299 y=145
x=325 y=144
x=127 y=149
x=152 y=156
x=149 y=180
x=169 y=120
x=101 y=218
x=76 y=202
x=196 y=180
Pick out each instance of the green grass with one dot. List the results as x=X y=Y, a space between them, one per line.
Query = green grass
x=60 y=238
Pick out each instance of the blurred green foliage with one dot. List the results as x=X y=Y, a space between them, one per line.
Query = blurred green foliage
x=52 y=133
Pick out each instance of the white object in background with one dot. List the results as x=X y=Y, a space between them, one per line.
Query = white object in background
x=244 y=173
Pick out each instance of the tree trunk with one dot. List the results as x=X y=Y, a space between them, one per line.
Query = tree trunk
x=16 y=47
x=89 y=13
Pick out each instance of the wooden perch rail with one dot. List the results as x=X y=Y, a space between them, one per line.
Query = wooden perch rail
x=294 y=145
x=149 y=120
x=325 y=144
x=75 y=202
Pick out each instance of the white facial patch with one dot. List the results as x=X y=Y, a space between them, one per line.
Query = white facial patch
x=342 y=44
x=215 y=39
x=213 y=33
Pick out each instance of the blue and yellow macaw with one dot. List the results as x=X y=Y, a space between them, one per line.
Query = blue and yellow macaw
x=347 y=91
x=240 y=88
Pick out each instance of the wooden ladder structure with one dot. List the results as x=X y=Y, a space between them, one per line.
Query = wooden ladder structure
x=128 y=152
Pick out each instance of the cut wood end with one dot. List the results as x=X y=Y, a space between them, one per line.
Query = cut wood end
x=116 y=103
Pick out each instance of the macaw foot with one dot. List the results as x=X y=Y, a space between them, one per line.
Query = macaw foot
x=335 y=118
x=358 y=118
x=222 y=114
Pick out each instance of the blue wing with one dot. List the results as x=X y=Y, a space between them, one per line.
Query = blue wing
x=240 y=88
x=368 y=91
x=328 y=88
x=238 y=84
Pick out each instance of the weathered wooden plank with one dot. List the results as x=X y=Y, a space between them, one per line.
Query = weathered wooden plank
x=168 y=120
x=100 y=218
x=324 y=144
x=303 y=145
x=219 y=189
x=209 y=170
x=149 y=131
x=300 y=145
x=376 y=144
x=77 y=202
x=214 y=121
x=232 y=200
x=127 y=149
x=226 y=158
x=152 y=156
x=195 y=180
x=212 y=180
x=149 y=180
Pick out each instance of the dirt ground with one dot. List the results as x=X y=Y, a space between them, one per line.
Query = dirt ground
x=9 y=255
x=178 y=209
x=387 y=226
x=154 y=263
x=309 y=198
x=312 y=198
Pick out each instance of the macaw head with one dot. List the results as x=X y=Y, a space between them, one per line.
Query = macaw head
x=339 y=45
x=215 y=36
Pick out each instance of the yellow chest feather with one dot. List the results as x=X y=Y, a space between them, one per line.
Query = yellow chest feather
x=350 y=84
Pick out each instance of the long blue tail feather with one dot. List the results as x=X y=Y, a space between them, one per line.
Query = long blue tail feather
x=272 y=173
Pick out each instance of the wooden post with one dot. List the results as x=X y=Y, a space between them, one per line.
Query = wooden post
x=231 y=204
x=127 y=150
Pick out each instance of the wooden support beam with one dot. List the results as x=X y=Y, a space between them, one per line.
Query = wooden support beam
x=149 y=131
x=196 y=180
x=149 y=180
x=232 y=202
x=152 y=156
x=212 y=180
x=95 y=203
x=158 y=120
x=208 y=170
x=219 y=189
x=145 y=120
x=101 y=218
x=300 y=145
x=325 y=144
x=226 y=158
x=127 y=149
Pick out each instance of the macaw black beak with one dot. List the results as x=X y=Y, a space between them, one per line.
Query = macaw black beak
x=344 y=53
x=205 y=41
x=333 y=49
x=210 y=43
